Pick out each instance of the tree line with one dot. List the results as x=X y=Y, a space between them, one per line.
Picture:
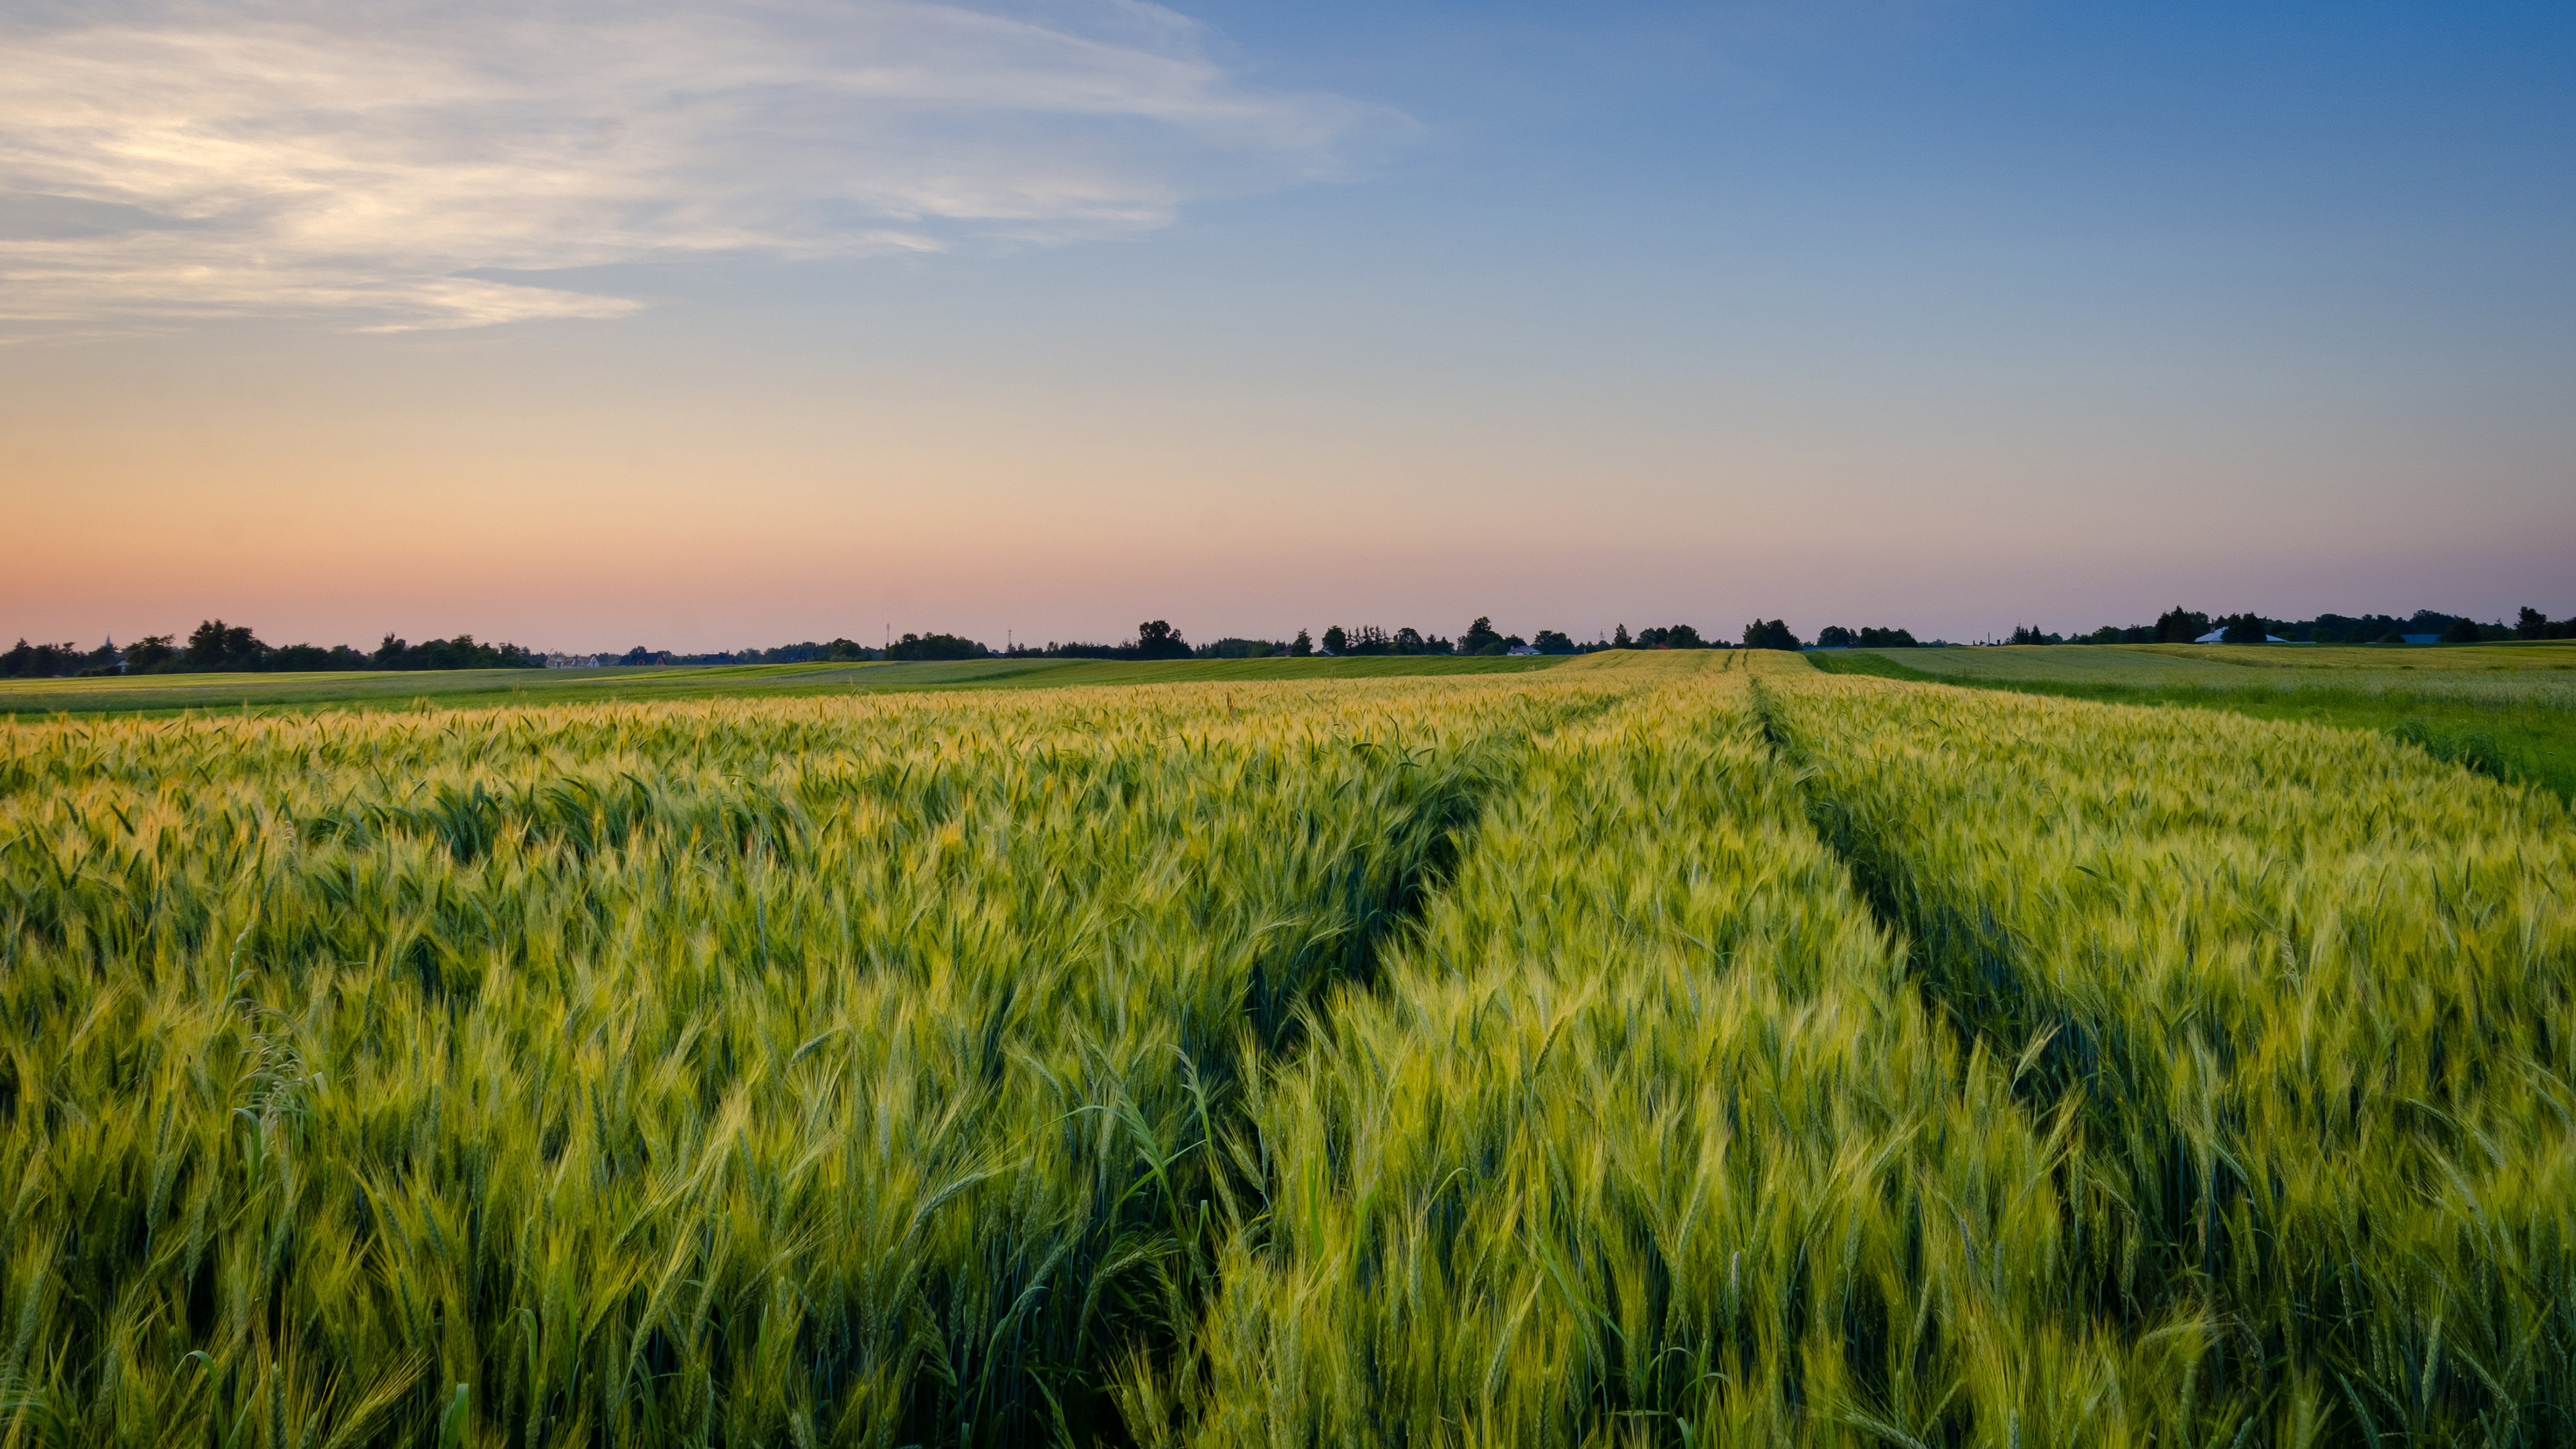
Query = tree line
x=215 y=647
x=1157 y=639
x=2183 y=626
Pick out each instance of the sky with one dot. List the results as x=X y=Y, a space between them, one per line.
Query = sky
x=702 y=326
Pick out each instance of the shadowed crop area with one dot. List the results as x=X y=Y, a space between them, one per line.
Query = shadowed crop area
x=1658 y=1049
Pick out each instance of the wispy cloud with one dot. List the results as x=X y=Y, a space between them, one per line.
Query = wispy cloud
x=394 y=163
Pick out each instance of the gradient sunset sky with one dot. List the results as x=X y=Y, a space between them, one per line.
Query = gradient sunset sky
x=699 y=326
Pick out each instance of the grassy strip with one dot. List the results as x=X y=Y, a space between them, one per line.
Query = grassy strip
x=164 y=695
x=2500 y=740
x=2310 y=996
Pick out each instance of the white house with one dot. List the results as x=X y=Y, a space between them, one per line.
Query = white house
x=2219 y=636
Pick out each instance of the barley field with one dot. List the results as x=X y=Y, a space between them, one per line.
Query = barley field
x=1655 y=1049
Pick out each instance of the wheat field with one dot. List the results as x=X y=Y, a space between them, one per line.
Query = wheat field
x=1666 y=1049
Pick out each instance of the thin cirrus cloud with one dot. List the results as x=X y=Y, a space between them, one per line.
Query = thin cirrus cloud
x=393 y=164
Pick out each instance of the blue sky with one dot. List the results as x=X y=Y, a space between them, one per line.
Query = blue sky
x=712 y=325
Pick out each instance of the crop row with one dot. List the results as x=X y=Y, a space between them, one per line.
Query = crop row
x=1646 y=1137
x=2313 y=999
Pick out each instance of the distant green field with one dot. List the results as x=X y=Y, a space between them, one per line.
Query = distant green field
x=2500 y=673
x=2507 y=710
x=172 y=693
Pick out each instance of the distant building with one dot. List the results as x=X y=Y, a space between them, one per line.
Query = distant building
x=2219 y=636
x=2421 y=638
x=1520 y=649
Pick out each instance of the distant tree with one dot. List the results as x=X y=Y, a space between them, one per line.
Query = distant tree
x=463 y=652
x=2462 y=631
x=1301 y=647
x=1835 y=636
x=1156 y=639
x=922 y=647
x=1552 y=641
x=1335 y=641
x=2241 y=629
x=456 y=653
x=1238 y=649
x=311 y=658
x=2178 y=625
x=842 y=649
x=1884 y=639
x=1619 y=638
x=215 y=646
x=1772 y=635
x=2531 y=624
x=1478 y=635
x=2392 y=637
x=150 y=653
x=39 y=661
x=1407 y=640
